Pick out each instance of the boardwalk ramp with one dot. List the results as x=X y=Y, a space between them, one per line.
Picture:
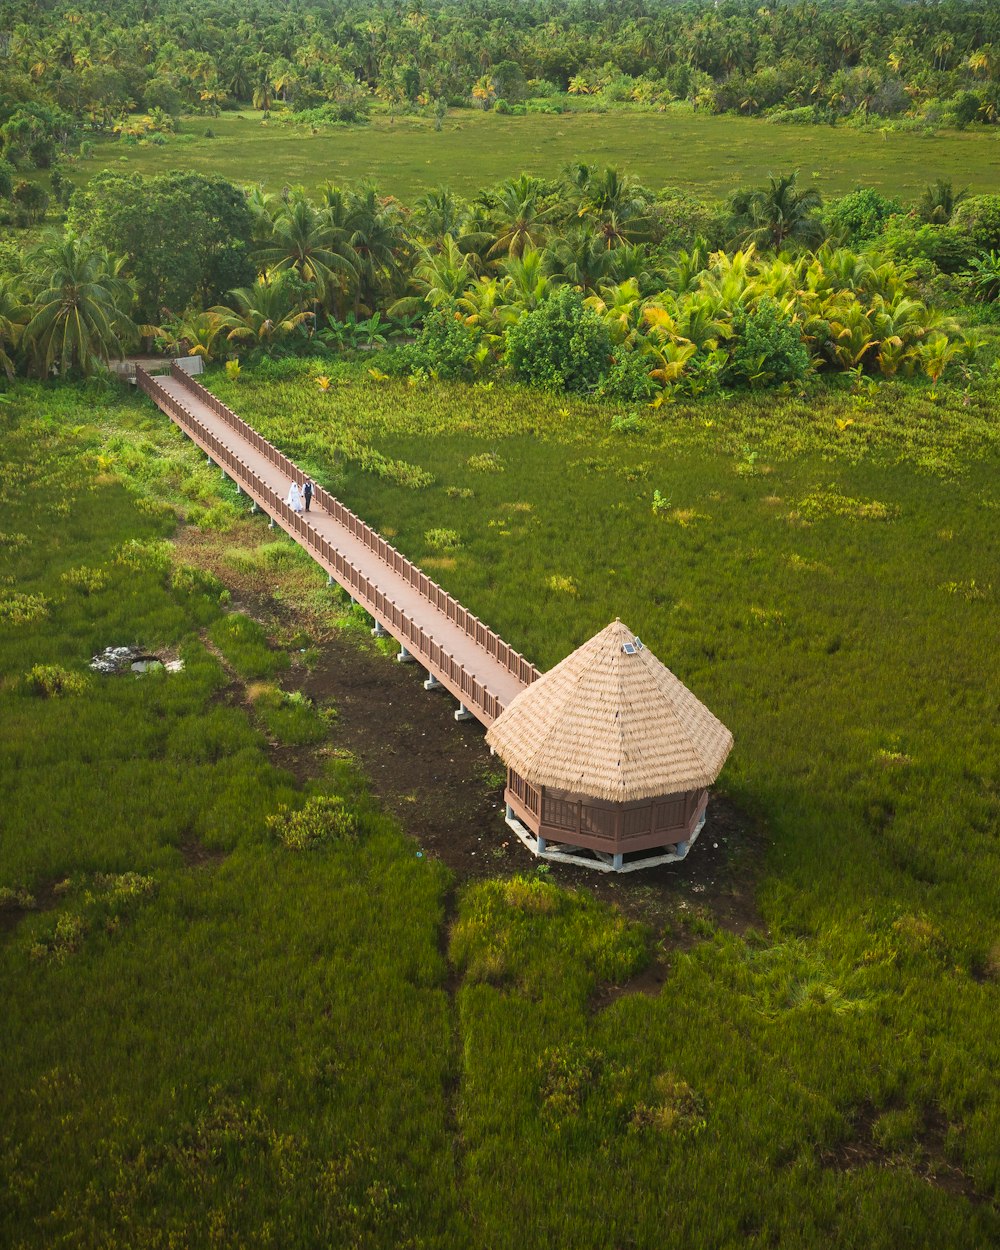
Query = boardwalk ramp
x=480 y=670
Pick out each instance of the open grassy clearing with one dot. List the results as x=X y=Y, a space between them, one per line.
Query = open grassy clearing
x=260 y=1047
x=699 y=152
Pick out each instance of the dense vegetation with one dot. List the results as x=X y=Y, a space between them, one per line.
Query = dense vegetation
x=78 y=63
x=588 y=282
x=218 y=1031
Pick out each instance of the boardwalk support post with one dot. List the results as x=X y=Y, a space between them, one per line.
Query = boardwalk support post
x=270 y=522
x=463 y=713
x=404 y=656
x=329 y=579
x=432 y=682
x=540 y=845
x=617 y=861
x=239 y=489
x=253 y=506
x=378 y=631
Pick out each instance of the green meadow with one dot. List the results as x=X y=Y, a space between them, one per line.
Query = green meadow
x=215 y=1034
x=707 y=154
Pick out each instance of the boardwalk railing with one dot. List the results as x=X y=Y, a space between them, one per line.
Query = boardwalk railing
x=452 y=673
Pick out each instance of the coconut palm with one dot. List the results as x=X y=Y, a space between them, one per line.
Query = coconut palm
x=580 y=258
x=266 y=313
x=194 y=334
x=779 y=214
x=440 y=278
x=303 y=239
x=939 y=201
x=526 y=283
x=374 y=228
x=617 y=207
x=519 y=216
x=620 y=308
x=80 y=314
x=936 y=354
x=14 y=312
x=985 y=274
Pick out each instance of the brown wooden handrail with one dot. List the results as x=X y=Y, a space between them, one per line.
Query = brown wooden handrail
x=465 y=685
x=426 y=587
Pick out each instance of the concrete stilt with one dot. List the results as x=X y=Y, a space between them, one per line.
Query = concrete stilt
x=463 y=713
x=329 y=579
x=617 y=862
x=253 y=507
x=432 y=682
x=378 y=631
x=270 y=522
x=239 y=489
x=404 y=656
x=540 y=845
x=208 y=459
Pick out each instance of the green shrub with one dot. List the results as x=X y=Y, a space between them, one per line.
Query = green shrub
x=443 y=539
x=859 y=217
x=52 y=681
x=767 y=349
x=445 y=347
x=978 y=217
x=323 y=819
x=86 y=580
x=562 y=345
x=949 y=247
x=628 y=378
x=18 y=609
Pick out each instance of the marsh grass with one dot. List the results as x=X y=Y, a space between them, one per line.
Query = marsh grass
x=805 y=580
x=236 y=1050
x=260 y=1049
x=712 y=155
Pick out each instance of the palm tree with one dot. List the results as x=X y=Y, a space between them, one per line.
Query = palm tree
x=519 y=216
x=440 y=277
x=438 y=213
x=939 y=201
x=375 y=233
x=80 y=316
x=778 y=214
x=579 y=258
x=304 y=239
x=13 y=314
x=526 y=283
x=194 y=334
x=266 y=313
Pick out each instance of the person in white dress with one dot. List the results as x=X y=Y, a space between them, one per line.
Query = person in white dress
x=294 y=499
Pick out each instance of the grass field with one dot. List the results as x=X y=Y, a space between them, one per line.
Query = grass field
x=242 y=1044
x=701 y=153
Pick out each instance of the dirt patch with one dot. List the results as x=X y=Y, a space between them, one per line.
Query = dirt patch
x=196 y=855
x=430 y=771
x=648 y=982
x=927 y=1159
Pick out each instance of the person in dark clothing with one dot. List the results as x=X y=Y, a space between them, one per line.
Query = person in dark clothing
x=307 y=491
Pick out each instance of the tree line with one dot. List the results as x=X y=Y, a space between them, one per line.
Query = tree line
x=94 y=66
x=587 y=281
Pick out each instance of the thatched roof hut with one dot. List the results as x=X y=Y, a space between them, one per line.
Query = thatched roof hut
x=613 y=731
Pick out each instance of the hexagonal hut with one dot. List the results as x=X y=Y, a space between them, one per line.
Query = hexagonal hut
x=609 y=758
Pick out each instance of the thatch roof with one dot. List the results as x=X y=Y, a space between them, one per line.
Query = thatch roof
x=611 y=725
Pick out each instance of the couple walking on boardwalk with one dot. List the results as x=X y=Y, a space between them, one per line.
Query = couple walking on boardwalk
x=300 y=497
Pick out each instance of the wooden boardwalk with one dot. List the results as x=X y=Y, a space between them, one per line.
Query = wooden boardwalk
x=481 y=670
